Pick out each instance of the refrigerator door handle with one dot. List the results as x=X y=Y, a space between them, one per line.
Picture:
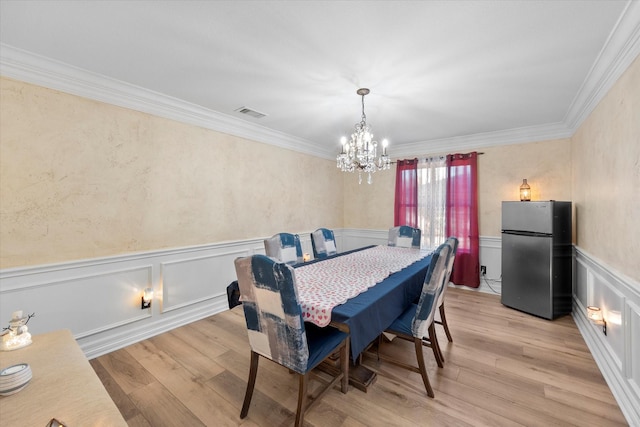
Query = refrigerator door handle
x=525 y=233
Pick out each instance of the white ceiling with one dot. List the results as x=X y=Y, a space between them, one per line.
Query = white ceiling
x=442 y=74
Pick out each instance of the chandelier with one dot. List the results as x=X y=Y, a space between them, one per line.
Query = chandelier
x=360 y=152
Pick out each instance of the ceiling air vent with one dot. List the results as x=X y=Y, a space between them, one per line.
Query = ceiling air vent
x=250 y=112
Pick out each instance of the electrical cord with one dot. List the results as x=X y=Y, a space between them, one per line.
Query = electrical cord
x=484 y=276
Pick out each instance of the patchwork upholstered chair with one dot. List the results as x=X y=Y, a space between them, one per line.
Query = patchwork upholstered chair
x=323 y=242
x=284 y=247
x=417 y=320
x=278 y=333
x=453 y=244
x=405 y=237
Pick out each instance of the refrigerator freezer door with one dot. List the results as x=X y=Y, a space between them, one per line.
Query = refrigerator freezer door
x=535 y=217
x=526 y=270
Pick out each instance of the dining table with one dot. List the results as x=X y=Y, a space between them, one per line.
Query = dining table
x=361 y=292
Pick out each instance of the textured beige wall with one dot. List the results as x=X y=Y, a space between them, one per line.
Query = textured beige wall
x=82 y=179
x=369 y=206
x=606 y=176
x=546 y=165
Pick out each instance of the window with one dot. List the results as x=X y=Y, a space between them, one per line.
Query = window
x=439 y=196
x=432 y=200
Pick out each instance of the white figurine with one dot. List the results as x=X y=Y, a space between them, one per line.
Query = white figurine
x=16 y=335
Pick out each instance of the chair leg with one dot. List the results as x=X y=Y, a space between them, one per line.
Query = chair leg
x=251 y=382
x=302 y=398
x=422 y=367
x=443 y=319
x=433 y=340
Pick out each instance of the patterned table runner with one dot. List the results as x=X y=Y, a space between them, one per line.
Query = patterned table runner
x=324 y=285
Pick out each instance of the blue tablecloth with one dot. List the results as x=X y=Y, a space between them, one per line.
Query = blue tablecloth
x=370 y=313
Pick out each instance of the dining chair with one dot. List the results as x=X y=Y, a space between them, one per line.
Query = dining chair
x=453 y=244
x=277 y=332
x=417 y=320
x=233 y=294
x=404 y=236
x=323 y=243
x=284 y=247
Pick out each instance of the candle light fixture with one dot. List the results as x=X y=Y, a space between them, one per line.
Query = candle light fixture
x=146 y=298
x=595 y=315
x=525 y=191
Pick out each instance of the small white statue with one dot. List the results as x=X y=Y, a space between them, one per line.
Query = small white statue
x=17 y=334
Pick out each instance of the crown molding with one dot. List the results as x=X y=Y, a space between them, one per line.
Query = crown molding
x=487 y=139
x=619 y=51
x=36 y=69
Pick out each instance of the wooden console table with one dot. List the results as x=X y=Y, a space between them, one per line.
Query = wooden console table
x=64 y=386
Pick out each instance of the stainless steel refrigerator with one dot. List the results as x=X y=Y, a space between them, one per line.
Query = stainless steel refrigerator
x=537 y=257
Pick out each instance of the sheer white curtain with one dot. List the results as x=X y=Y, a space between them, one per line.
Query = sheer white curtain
x=432 y=200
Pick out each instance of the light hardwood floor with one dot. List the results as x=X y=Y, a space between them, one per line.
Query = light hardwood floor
x=504 y=368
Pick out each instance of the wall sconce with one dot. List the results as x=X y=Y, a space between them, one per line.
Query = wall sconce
x=525 y=192
x=595 y=315
x=146 y=298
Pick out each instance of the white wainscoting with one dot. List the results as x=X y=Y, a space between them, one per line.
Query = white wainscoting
x=99 y=299
x=618 y=352
x=356 y=238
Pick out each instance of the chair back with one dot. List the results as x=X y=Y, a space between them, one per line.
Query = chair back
x=453 y=245
x=284 y=247
x=433 y=282
x=404 y=236
x=272 y=312
x=323 y=242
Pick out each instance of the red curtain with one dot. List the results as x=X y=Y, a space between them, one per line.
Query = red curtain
x=406 y=203
x=462 y=217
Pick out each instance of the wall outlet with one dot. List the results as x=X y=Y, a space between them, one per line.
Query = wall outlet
x=483 y=270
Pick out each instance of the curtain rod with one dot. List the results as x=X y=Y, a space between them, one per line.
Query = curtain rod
x=443 y=155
